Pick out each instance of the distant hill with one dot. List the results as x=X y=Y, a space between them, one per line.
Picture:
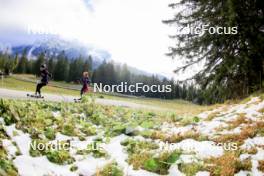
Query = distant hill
x=52 y=46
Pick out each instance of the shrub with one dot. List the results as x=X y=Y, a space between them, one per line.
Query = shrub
x=73 y=168
x=88 y=130
x=157 y=164
x=162 y=163
x=68 y=129
x=190 y=169
x=60 y=157
x=134 y=146
x=110 y=169
x=50 y=133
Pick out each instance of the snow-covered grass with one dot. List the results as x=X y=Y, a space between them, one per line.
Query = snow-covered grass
x=48 y=138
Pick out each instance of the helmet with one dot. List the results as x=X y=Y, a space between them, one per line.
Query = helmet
x=43 y=67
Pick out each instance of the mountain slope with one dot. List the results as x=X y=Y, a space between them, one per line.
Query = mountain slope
x=52 y=46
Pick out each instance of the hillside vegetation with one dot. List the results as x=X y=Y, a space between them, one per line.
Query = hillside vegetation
x=227 y=140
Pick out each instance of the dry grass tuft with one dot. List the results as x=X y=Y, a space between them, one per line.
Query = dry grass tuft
x=222 y=166
x=110 y=169
x=137 y=160
x=261 y=165
x=248 y=131
x=177 y=137
x=261 y=110
x=187 y=135
x=227 y=165
x=158 y=135
x=252 y=151
x=241 y=119
x=212 y=115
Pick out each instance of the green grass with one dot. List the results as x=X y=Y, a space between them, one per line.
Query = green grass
x=27 y=83
x=177 y=106
x=12 y=83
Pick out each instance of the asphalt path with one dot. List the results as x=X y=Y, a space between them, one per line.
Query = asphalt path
x=17 y=94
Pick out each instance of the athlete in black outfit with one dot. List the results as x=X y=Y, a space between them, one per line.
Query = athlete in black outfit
x=45 y=75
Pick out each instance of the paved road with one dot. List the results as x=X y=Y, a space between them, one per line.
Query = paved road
x=15 y=94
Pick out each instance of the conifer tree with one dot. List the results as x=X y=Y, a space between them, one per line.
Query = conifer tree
x=22 y=63
x=61 y=71
x=233 y=62
x=40 y=60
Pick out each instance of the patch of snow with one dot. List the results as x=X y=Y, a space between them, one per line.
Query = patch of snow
x=219 y=110
x=2 y=120
x=79 y=145
x=22 y=140
x=252 y=142
x=10 y=148
x=239 y=108
x=202 y=173
x=236 y=130
x=255 y=170
x=56 y=114
x=173 y=171
x=251 y=111
x=10 y=130
x=203 y=115
x=129 y=171
x=140 y=138
x=115 y=149
x=27 y=165
x=185 y=158
x=89 y=165
x=171 y=129
x=139 y=128
x=244 y=156
x=117 y=153
x=62 y=137
x=228 y=117
x=203 y=149
x=243 y=173
x=253 y=100
x=254 y=160
x=259 y=155
x=208 y=127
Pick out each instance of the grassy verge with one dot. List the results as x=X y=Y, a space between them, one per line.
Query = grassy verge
x=12 y=83
x=26 y=82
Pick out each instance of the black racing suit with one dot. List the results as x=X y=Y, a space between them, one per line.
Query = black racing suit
x=85 y=82
x=44 y=80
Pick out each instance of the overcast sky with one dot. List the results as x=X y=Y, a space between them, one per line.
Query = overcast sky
x=131 y=30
